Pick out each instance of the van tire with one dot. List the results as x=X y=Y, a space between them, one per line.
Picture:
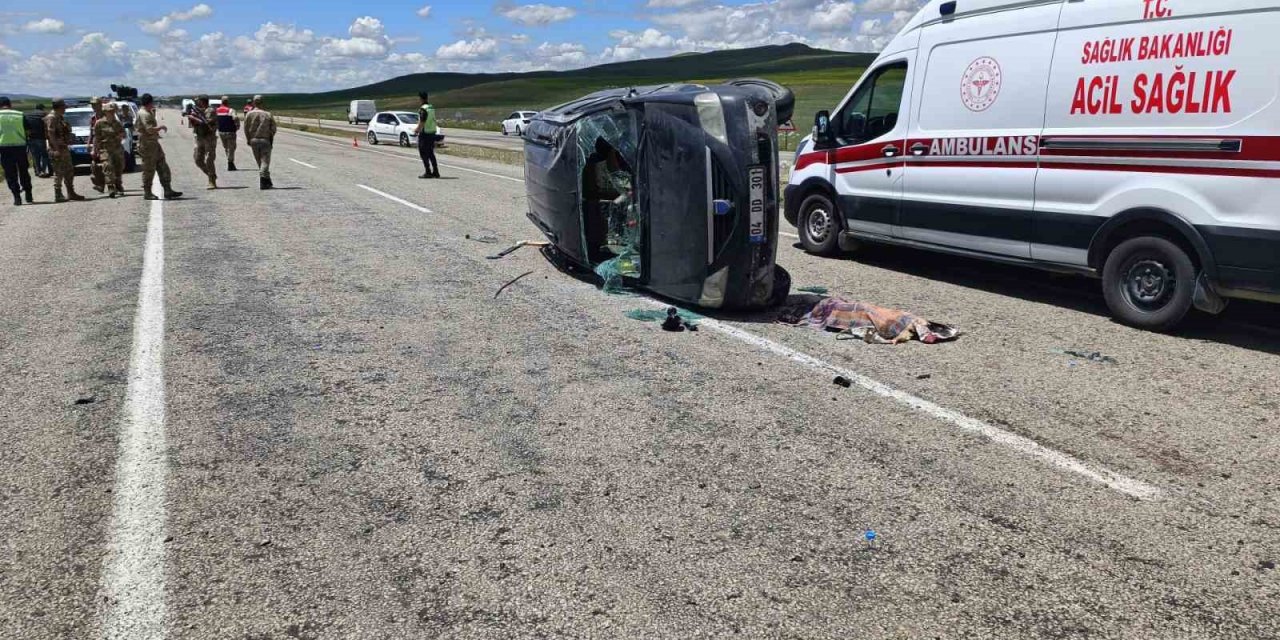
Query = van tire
x=820 y=235
x=404 y=139
x=1149 y=283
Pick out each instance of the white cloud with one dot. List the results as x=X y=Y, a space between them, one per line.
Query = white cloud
x=368 y=40
x=478 y=49
x=562 y=55
x=645 y=40
x=165 y=24
x=274 y=43
x=832 y=16
x=424 y=12
x=45 y=25
x=537 y=15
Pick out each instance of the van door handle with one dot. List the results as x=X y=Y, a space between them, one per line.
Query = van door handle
x=890 y=151
x=919 y=149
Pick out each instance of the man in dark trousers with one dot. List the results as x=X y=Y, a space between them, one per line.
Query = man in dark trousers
x=13 y=152
x=36 y=143
x=426 y=133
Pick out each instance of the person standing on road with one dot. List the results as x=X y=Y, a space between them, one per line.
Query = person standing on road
x=13 y=152
x=426 y=133
x=108 y=132
x=95 y=167
x=153 y=160
x=58 y=134
x=36 y=142
x=202 y=120
x=260 y=133
x=228 y=126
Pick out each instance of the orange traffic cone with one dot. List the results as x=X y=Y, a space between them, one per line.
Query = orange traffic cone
x=355 y=142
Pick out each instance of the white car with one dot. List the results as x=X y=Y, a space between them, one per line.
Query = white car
x=517 y=122
x=395 y=126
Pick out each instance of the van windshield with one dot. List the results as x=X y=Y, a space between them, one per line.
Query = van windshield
x=873 y=110
x=79 y=119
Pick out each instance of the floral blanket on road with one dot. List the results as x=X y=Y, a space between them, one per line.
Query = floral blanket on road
x=869 y=323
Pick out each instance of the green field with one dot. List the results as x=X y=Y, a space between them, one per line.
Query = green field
x=818 y=78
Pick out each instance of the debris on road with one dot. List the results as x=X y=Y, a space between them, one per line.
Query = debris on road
x=510 y=282
x=867 y=322
x=673 y=319
x=822 y=291
x=482 y=239
x=88 y=400
x=842 y=381
x=1089 y=356
x=517 y=246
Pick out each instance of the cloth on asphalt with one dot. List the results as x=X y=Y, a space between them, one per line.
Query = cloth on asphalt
x=867 y=322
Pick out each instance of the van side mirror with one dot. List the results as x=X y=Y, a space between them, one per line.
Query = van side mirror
x=822 y=134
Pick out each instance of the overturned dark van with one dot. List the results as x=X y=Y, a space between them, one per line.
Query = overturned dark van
x=672 y=188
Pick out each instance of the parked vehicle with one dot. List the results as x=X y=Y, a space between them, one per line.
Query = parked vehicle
x=79 y=117
x=361 y=111
x=1131 y=141
x=671 y=188
x=393 y=126
x=517 y=122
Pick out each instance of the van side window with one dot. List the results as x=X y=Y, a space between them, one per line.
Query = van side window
x=873 y=110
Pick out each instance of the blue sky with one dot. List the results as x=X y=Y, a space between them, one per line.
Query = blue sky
x=76 y=47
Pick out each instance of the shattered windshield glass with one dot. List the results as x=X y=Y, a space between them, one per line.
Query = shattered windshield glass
x=612 y=225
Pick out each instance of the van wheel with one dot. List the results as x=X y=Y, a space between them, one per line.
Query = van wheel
x=404 y=139
x=519 y=133
x=819 y=224
x=1149 y=283
x=373 y=138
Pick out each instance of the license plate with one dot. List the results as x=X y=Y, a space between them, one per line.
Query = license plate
x=756 y=177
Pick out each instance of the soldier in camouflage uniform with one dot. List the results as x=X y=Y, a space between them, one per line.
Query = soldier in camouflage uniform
x=95 y=167
x=108 y=136
x=58 y=136
x=204 y=125
x=153 y=160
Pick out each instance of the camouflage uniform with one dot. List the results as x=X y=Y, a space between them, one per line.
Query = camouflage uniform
x=153 y=160
x=260 y=132
x=96 y=178
x=108 y=137
x=206 y=152
x=58 y=136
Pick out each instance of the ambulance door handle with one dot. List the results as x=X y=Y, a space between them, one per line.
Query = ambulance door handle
x=890 y=151
x=919 y=149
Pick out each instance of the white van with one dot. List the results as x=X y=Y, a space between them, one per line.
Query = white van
x=361 y=111
x=1133 y=140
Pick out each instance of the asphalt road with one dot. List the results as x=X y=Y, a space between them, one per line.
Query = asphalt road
x=472 y=137
x=351 y=437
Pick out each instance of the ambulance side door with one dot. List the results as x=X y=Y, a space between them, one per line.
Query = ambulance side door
x=973 y=148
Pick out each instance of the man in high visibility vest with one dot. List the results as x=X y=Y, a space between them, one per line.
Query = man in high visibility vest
x=13 y=152
x=426 y=133
x=228 y=125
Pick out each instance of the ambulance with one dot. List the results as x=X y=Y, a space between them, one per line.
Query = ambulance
x=1136 y=141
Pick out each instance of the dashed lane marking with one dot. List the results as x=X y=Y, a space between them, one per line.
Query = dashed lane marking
x=295 y=161
x=395 y=199
x=132 y=606
x=402 y=156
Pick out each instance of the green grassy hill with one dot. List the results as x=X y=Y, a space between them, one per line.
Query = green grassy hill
x=819 y=78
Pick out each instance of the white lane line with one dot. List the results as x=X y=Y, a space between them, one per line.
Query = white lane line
x=407 y=157
x=309 y=166
x=395 y=199
x=1020 y=444
x=132 y=605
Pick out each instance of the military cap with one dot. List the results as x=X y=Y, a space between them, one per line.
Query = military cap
x=59 y=103
x=203 y=96
x=257 y=98
x=110 y=106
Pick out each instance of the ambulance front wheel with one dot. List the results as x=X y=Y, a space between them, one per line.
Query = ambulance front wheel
x=819 y=225
x=1149 y=282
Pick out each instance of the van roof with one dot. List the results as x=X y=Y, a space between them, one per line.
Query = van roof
x=932 y=11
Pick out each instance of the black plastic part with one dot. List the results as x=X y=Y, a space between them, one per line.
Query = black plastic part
x=784 y=100
x=947 y=8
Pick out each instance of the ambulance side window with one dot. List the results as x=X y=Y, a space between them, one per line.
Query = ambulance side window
x=873 y=110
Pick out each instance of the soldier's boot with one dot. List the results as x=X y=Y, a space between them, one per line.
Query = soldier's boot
x=264 y=184
x=72 y=195
x=170 y=194
x=270 y=184
x=17 y=200
x=57 y=195
x=29 y=199
x=148 y=194
x=213 y=184
x=231 y=166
